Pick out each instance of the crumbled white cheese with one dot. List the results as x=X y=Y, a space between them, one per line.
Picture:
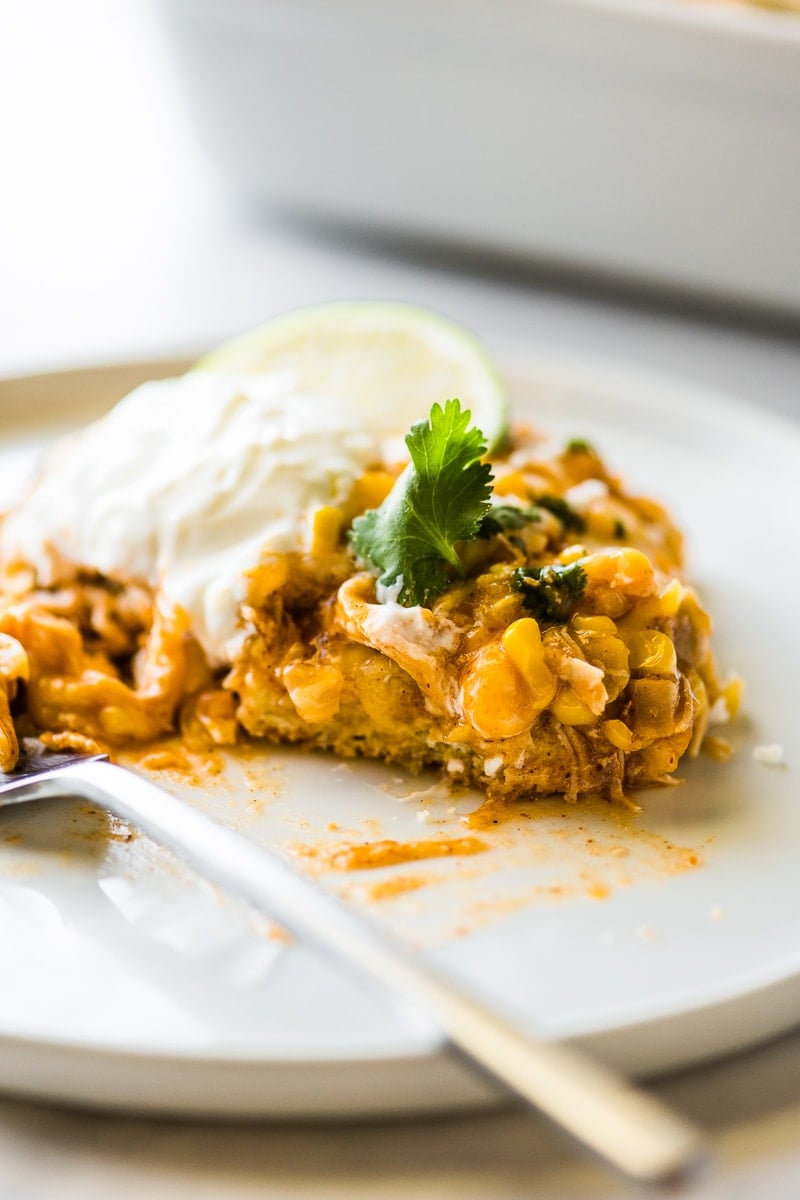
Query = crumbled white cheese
x=492 y=765
x=583 y=494
x=719 y=713
x=769 y=755
x=410 y=626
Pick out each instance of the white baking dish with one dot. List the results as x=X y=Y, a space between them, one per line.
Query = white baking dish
x=657 y=141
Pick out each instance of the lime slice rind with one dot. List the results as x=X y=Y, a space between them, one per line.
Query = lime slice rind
x=388 y=361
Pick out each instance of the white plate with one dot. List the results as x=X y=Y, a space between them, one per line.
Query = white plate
x=128 y=982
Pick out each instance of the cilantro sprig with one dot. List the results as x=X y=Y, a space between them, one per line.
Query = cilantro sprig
x=440 y=499
x=572 y=521
x=550 y=592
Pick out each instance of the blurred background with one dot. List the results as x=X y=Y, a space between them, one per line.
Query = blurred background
x=617 y=179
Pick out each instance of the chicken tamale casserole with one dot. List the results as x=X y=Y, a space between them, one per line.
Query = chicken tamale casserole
x=518 y=620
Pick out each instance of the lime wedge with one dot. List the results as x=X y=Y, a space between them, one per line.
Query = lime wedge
x=389 y=361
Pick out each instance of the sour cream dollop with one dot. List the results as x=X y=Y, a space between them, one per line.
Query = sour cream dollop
x=185 y=484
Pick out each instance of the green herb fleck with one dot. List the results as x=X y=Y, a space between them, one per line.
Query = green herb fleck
x=580 y=446
x=441 y=498
x=558 y=506
x=550 y=593
x=502 y=518
x=620 y=532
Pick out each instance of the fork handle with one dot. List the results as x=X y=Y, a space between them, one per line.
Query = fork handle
x=623 y=1125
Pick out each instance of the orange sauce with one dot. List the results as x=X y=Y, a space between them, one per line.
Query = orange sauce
x=600 y=846
x=359 y=856
x=170 y=757
x=397 y=885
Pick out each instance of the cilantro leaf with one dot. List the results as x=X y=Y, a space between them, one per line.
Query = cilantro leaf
x=502 y=518
x=440 y=499
x=550 y=592
x=558 y=506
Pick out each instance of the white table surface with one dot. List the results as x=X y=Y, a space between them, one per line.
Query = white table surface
x=117 y=241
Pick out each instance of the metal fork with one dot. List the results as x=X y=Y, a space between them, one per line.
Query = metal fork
x=626 y=1127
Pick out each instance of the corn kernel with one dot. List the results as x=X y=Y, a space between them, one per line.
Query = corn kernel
x=571 y=554
x=493 y=692
x=369 y=491
x=498 y=700
x=652 y=652
x=522 y=642
x=618 y=734
x=594 y=625
x=326 y=529
x=569 y=710
x=512 y=484
x=732 y=692
x=669 y=601
x=315 y=690
x=625 y=570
